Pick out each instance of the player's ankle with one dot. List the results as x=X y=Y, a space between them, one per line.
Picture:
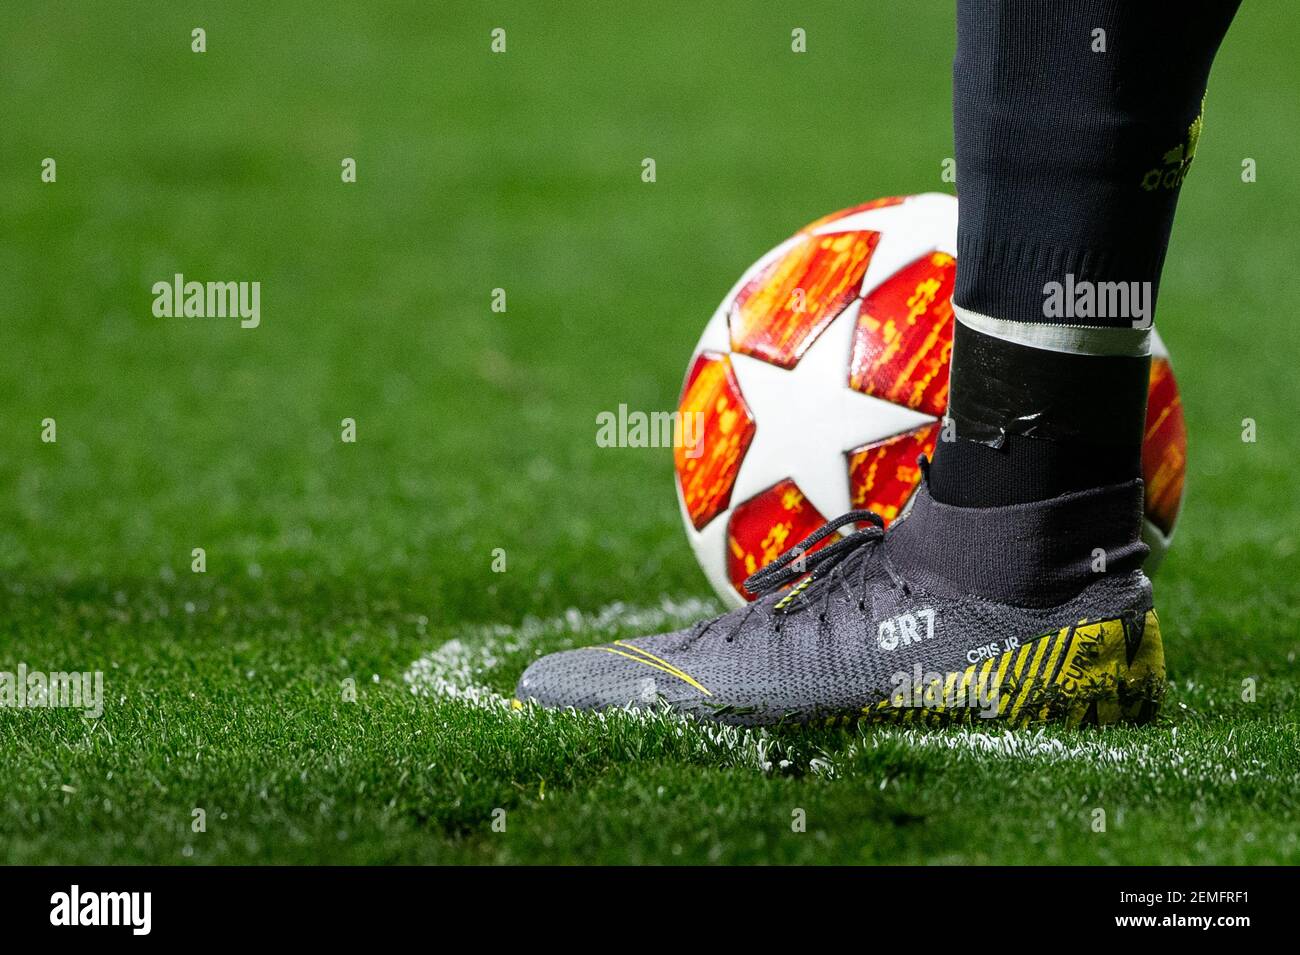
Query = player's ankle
x=1020 y=470
x=1038 y=554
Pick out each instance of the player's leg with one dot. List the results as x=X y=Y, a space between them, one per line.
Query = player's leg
x=1012 y=588
x=1075 y=124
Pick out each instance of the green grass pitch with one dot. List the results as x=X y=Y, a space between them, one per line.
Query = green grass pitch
x=371 y=561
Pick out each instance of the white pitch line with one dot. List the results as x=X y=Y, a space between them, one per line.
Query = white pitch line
x=1020 y=744
x=453 y=670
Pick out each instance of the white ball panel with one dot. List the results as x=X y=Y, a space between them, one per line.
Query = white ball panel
x=1158 y=349
x=717 y=334
x=1159 y=543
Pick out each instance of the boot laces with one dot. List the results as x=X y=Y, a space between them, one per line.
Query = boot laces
x=815 y=573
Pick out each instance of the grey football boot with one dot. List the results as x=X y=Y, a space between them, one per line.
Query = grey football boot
x=1024 y=614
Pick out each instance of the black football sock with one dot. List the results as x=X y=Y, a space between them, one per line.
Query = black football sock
x=1075 y=124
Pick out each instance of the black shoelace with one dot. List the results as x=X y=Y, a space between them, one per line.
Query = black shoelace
x=802 y=559
x=819 y=570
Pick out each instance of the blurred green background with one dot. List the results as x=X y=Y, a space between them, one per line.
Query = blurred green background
x=476 y=430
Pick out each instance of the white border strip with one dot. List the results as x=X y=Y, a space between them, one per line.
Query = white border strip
x=1070 y=339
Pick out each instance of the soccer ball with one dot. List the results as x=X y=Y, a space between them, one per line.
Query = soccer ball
x=824 y=374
